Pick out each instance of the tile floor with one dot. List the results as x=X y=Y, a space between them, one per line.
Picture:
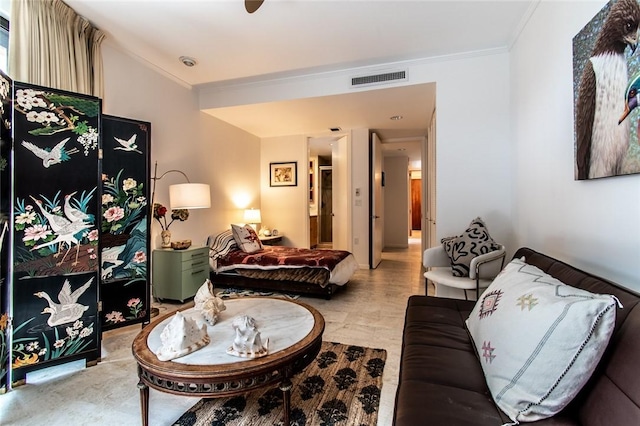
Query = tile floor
x=368 y=312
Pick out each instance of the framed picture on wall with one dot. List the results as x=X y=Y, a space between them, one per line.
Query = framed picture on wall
x=606 y=79
x=283 y=174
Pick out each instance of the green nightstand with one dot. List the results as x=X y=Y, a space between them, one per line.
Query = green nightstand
x=177 y=274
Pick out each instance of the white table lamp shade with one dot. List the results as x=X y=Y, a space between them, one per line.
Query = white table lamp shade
x=252 y=216
x=190 y=196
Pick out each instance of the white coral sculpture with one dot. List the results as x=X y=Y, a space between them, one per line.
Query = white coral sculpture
x=180 y=337
x=207 y=303
x=247 y=343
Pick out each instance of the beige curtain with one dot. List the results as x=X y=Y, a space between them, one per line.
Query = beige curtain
x=50 y=45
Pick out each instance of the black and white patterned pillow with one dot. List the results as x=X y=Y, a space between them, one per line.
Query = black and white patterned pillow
x=221 y=244
x=472 y=243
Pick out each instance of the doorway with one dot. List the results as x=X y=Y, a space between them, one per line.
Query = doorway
x=401 y=191
x=416 y=202
x=329 y=204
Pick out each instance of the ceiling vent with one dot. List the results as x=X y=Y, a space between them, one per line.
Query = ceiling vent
x=378 y=78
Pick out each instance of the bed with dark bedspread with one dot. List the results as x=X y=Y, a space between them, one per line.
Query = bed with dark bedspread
x=285 y=269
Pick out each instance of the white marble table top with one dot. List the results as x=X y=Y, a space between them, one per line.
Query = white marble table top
x=283 y=322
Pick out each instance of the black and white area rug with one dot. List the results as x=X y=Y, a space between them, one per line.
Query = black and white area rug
x=341 y=387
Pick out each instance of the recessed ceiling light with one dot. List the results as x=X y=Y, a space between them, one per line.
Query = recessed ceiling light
x=187 y=61
x=395 y=117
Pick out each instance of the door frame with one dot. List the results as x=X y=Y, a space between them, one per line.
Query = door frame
x=343 y=167
x=429 y=186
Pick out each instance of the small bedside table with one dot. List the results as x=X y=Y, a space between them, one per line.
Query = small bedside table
x=271 y=241
x=177 y=274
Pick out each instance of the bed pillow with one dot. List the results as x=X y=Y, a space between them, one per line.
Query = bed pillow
x=246 y=238
x=221 y=244
x=472 y=243
x=538 y=340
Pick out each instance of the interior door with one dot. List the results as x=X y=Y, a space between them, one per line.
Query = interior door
x=377 y=203
x=429 y=187
x=326 y=204
x=416 y=200
x=340 y=194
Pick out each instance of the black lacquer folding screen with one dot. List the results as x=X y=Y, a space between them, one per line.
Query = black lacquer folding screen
x=74 y=221
x=56 y=219
x=125 y=222
x=6 y=88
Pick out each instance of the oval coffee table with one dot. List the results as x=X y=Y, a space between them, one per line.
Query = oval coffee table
x=294 y=331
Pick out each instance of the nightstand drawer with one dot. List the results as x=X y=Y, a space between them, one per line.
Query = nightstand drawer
x=192 y=280
x=197 y=260
x=189 y=254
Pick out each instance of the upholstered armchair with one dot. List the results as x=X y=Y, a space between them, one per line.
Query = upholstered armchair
x=483 y=269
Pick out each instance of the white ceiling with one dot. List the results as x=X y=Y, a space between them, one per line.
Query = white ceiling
x=297 y=37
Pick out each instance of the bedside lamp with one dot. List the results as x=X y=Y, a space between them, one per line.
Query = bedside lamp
x=252 y=217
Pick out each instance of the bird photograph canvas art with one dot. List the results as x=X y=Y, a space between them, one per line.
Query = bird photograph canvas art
x=606 y=65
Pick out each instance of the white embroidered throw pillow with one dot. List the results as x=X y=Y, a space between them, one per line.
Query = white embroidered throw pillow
x=538 y=339
x=246 y=238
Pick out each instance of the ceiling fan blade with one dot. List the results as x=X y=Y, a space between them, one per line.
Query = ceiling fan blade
x=252 y=5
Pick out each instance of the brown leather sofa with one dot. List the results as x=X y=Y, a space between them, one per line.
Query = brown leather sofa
x=441 y=381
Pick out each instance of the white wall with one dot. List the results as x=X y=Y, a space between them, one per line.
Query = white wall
x=473 y=149
x=206 y=149
x=473 y=146
x=594 y=225
x=534 y=201
x=360 y=208
x=285 y=207
x=396 y=201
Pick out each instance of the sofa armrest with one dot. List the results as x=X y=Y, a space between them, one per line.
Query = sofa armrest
x=435 y=257
x=487 y=265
